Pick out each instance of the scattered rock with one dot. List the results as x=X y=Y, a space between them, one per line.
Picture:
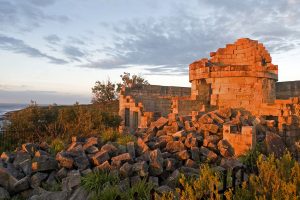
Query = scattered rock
x=175 y=146
x=141 y=168
x=225 y=148
x=44 y=163
x=65 y=160
x=100 y=157
x=61 y=195
x=156 y=163
x=274 y=144
x=71 y=182
x=208 y=154
x=37 y=178
x=4 y=194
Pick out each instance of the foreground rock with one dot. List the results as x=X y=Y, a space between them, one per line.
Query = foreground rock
x=160 y=154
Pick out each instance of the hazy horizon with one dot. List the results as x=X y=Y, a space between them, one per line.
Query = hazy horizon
x=54 y=51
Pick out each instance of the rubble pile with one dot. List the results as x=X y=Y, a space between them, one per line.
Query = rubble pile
x=168 y=147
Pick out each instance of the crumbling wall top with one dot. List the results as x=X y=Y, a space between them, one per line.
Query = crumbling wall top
x=245 y=57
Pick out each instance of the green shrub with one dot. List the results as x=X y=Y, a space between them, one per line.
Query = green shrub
x=204 y=187
x=166 y=196
x=35 y=123
x=109 y=135
x=142 y=189
x=123 y=139
x=108 y=193
x=95 y=182
x=276 y=179
x=57 y=145
x=250 y=159
x=197 y=188
x=52 y=187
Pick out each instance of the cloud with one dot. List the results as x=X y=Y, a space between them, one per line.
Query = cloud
x=170 y=43
x=74 y=53
x=42 y=2
x=52 y=39
x=18 y=46
x=26 y=15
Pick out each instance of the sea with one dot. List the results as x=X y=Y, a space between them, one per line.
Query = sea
x=7 y=107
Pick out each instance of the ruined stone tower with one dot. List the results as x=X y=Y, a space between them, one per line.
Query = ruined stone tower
x=239 y=75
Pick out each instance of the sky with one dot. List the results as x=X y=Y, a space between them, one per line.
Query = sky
x=53 y=51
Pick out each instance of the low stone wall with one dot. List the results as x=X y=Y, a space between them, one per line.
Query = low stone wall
x=285 y=90
x=241 y=142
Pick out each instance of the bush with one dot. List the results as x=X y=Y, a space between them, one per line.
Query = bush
x=52 y=187
x=104 y=185
x=35 y=123
x=250 y=159
x=57 y=145
x=276 y=179
x=109 y=135
x=123 y=139
x=206 y=186
x=95 y=182
x=141 y=189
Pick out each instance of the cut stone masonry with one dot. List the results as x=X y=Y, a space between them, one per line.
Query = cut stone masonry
x=241 y=75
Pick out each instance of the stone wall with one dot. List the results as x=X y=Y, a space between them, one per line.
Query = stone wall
x=149 y=101
x=285 y=90
x=239 y=75
x=240 y=141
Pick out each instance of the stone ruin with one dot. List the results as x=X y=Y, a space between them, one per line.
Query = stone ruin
x=239 y=76
x=159 y=154
x=234 y=102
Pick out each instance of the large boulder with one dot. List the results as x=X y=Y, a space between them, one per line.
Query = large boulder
x=190 y=141
x=60 y=195
x=142 y=146
x=90 y=142
x=37 y=179
x=183 y=155
x=123 y=158
x=225 y=148
x=156 y=163
x=7 y=180
x=208 y=155
x=195 y=154
x=44 y=163
x=81 y=161
x=131 y=149
x=30 y=148
x=126 y=169
x=170 y=164
x=65 y=160
x=209 y=127
x=71 y=181
x=230 y=163
x=20 y=157
x=141 y=168
x=160 y=123
x=110 y=149
x=175 y=146
x=21 y=185
x=80 y=194
x=26 y=167
x=4 y=194
x=275 y=144
x=100 y=157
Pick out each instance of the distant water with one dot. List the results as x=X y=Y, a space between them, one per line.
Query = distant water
x=4 y=108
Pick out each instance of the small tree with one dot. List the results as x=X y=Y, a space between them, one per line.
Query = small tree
x=131 y=81
x=104 y=92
